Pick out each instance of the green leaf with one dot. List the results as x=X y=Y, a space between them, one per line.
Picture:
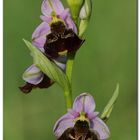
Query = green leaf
x=109 y=107
x=48 y=67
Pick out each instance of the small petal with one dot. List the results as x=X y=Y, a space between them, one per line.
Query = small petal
x=39 y=35
x=92 y=115
x=101 y=128
x=62 y=124
x=84 y=103
x=48 y=6
x=78 y=105
x=65 y=14
x=71 y=24
x=47 y=19
x=73 y=113
x=33 y=75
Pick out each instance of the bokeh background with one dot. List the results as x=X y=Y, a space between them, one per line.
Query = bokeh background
x=108 y=56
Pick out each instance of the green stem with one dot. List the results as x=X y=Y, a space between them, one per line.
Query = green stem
x=68 y=99
x=69 y=68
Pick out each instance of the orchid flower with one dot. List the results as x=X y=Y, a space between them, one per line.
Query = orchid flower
x=34 y=77
x=51 y=9
x=81 y=122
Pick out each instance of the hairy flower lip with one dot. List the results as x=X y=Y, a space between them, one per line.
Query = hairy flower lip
x=45 y=83
x=61 y=41
x=86 y=104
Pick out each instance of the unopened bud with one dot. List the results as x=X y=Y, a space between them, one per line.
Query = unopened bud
x=75 y=6
x=86 y=10
x=85 y=15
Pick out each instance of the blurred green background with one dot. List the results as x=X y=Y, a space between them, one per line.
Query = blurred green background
x=108 y=56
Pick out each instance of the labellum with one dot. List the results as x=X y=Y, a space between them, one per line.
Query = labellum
x=80 y=131
x=45 y=83
x=61 y=40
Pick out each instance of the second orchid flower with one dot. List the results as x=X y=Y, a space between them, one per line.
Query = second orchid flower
x=81 y=122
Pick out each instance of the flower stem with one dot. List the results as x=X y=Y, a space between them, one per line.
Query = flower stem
x=69 y=68
x=68 y=99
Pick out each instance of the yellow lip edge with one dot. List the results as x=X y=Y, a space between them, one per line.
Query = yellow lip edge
x=63 y=52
